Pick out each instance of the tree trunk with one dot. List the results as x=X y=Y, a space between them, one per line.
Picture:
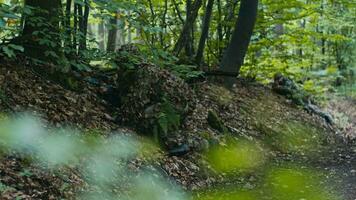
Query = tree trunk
x=83 y=22
x=111 y=45
x=187 y=28
x=230 y=7
x=235 y=54
x=163 y=24
x=178 y=12
x=302 y=25
x=219 y=30
x=153 y=23
x=68 y=39
x=205 y=32
x=78 y=22
x=101 y=32
x=34 y=33
x=189 y=49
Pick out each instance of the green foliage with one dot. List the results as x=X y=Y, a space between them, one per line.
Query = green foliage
x=10 y=50
x=2 y=95
x=9 y=17
x=186 y=72
x=5 y=188
x=168 y=121
x=167 y=61
x=297 y=38
x=130 y=59
x=300 y=39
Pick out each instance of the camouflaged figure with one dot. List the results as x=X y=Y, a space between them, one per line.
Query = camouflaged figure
x=286 y=87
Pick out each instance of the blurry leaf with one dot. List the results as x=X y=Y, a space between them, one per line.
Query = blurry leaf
x=240 y=156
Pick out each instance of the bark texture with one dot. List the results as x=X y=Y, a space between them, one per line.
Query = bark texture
x=237 y=49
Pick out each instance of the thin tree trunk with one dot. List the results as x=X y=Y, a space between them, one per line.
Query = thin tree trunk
x=83 y=21
x=205 y=31
x=111 y=44
x=323 y=40
x=178 y=12
x=231 y=7
x=235 y=54
x=302 y=25
x=163 y=24
x=189 y=43
x=101 y=31
x=187 y=28
x=68 y=39
x=153 y=21
x=75 y=28
x=323 y=46
x=78 y=36
x=219 y=29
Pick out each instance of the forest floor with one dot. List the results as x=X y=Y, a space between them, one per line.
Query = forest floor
x=291 y=137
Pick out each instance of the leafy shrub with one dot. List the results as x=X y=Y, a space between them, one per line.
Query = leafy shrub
x=168 y=120
x=131 y=56
x=10 y=50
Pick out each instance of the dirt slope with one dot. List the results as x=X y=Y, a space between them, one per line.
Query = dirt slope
x=250 y=111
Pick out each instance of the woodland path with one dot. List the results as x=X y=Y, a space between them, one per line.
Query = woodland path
x=342 y=174
x=339 y=171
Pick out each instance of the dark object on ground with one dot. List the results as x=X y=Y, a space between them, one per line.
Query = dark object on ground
x=180 y=150
x=110 y=95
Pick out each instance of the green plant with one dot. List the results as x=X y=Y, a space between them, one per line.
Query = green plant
x=167 y=60
x=167 y=120
x=10 y=50
x=185 y=72
x=26 y=173
x=4 y=188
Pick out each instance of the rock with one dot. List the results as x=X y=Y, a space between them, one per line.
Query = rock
x=180 y=150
